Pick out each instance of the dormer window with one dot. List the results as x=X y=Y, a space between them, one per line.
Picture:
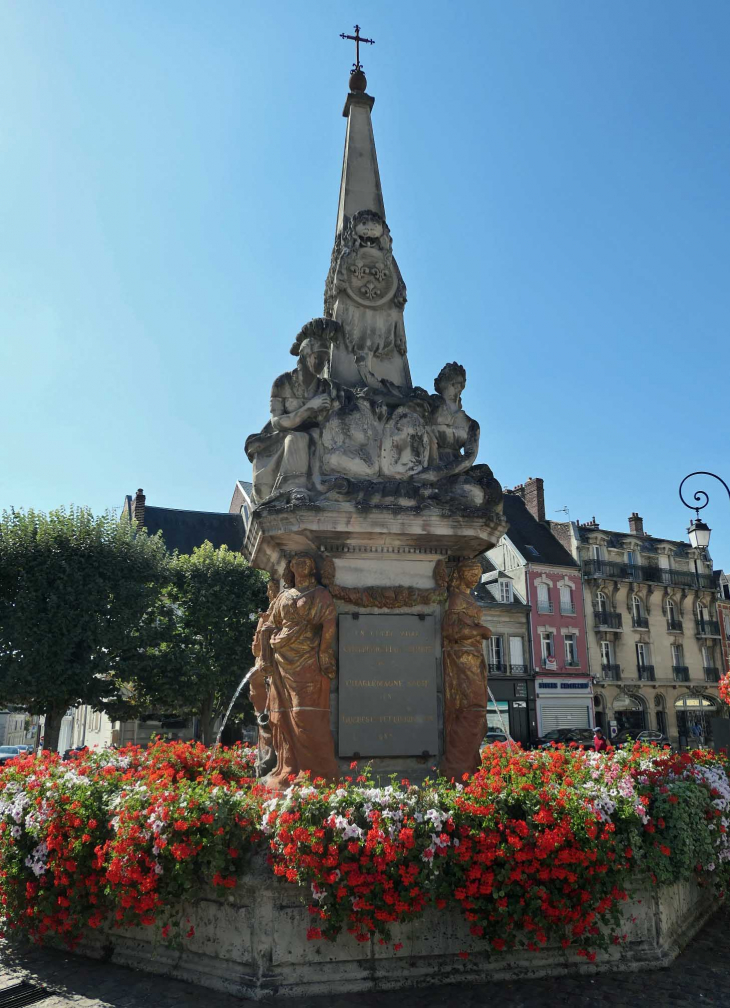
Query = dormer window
x=505 y=591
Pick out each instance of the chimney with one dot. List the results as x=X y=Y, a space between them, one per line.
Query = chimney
x=138 y=509
x=636 y=524
x=534 y=498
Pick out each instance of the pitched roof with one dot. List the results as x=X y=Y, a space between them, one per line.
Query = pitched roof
x=242 y=496
x=485 y=596
x=533 y=539
x=184 y=530
x=647 y=543
x=495 y=575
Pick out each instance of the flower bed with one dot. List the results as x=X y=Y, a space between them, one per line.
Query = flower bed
x=538 y=847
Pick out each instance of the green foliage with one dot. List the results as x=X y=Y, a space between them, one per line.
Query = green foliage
x=198 y=636
x=71 y=587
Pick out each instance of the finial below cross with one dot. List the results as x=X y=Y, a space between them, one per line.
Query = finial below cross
x=357 y=39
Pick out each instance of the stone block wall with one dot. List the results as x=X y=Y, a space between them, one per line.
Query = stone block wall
x=253 y=944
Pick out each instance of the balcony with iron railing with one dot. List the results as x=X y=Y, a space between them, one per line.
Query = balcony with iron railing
x=572 y=663
x=605 y=620
x=707 y=628
x=544 y=607
x=652 y=575
x=674 y=625
x=646 y=673
x=612 y=672
x=640 y=622
x=712 y=674
x=681 y=673
x=519 y=669
x=497 y=668
x=567 y=609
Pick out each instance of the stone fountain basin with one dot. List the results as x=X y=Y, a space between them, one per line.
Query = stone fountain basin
x=253 y=944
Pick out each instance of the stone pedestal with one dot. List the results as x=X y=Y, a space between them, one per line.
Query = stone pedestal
x=386 y=563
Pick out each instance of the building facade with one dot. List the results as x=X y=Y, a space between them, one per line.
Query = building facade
x=15 y=728
x=653 y=632
x=548 y=578
x=723 y=618
x=511 y=679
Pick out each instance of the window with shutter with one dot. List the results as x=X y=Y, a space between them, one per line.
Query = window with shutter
x=571 y=650
x=495 y=650
x=543 y=599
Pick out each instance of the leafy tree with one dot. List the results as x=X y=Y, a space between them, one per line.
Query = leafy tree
x=72 y=589
x=198 y=637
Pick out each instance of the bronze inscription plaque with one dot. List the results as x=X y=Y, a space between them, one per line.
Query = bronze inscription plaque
x=387 y=686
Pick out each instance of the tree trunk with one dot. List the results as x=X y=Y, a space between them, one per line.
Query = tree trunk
x=52 y=729
x=207 y=720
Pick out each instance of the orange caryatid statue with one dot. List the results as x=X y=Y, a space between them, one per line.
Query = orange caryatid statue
x=303 y=618
x=465 y=674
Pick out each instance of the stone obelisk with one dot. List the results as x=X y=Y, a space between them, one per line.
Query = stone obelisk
x=365 y=291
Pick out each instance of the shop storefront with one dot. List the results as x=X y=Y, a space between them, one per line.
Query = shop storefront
x=513 y=705
x=564 y=702
x=629 y=713
x=694 y=720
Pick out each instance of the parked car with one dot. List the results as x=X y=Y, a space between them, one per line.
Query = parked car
x=583 y=737
x=72 y=753
x=494 y=736
x=26 y=748
x=8 y=752
x=646 y=736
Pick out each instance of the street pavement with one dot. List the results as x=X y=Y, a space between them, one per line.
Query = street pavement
x=699 y=976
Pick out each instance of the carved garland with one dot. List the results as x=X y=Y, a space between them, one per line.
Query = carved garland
x=379 y=597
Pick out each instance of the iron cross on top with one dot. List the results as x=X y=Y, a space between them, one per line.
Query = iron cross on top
x=357 y=39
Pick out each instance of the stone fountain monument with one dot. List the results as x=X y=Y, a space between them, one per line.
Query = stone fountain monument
x=369 y=510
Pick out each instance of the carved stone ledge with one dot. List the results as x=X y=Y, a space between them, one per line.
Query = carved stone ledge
x=297 y=500
x=365 y=542
x=354 y=550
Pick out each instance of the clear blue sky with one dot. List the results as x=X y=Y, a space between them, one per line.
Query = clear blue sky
x=557 y=182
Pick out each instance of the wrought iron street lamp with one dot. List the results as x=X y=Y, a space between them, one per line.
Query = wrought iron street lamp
x=698 y=531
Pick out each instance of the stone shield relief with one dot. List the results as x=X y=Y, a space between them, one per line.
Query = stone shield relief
x=405 y=446
x=351 y=442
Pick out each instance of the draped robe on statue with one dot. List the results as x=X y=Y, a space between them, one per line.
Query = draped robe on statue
x=286 y=459
x=304 y=626
x=465 y=685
